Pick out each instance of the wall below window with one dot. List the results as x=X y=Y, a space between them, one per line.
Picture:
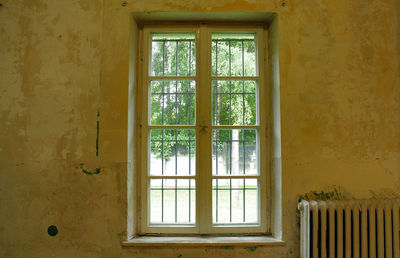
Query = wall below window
x=64 y=72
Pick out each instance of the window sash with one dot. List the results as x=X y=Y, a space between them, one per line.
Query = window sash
x=203 y=129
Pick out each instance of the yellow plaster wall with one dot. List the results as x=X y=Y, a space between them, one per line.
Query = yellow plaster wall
x=63 y=61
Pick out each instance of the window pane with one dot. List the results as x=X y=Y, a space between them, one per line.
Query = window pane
x=235 y=201
x=221 y=65
x=173 y=54
x=234 y=152
x=172 y=201
x=234 y=102
x=250 y=58
x=233 y=54
x=173 y=152
x=173 y=102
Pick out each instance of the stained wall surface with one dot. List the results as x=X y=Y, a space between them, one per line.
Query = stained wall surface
x=63 y=63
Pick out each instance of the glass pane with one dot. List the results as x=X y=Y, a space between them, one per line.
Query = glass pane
x=250 y=58
x=237 y=54
x=221 y=65
x=170 y=58
x=235 y=201
x=251 y=199
x=156 y=204
x=172 y=201
x=234 y=102
x=173 y=102
x=157 y=53
x=233 y=54
x=173 y=54
x=173 y=152
x=234 y=152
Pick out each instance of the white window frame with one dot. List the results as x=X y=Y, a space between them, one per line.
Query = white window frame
x=203 y=129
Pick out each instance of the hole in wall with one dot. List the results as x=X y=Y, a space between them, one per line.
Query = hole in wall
x=52 y=230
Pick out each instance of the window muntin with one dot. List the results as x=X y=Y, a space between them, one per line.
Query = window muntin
x=171 y=86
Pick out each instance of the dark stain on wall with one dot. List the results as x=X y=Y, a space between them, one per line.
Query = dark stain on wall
x=97 y=135
x=87 y=172
x=96 y=170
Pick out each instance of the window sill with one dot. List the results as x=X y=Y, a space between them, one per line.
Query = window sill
x=203 y=241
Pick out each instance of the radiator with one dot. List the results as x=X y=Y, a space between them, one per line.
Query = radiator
x=350 y=229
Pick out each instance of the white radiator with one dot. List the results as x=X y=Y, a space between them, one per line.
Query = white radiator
x=350 y=229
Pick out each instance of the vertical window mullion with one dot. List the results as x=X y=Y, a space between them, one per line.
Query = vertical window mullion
x=176 y=201
x=230 y=152
x=216 y=200
x=190 y=57
x=216 y=58
x=203 y=122
x=162 y=152
x=190 y=153
x=230 y=58
x=176 y=173
x=176 y=102
x=230 y=200
x=162 y=200
x=163 y=61
x=244 y=199
x=216 y=152
x=176 y=58
x=189 y=199
x=243 y=81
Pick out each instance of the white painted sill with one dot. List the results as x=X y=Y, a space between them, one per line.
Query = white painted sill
x=203 y=241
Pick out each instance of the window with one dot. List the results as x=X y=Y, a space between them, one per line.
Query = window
x=203 y=131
